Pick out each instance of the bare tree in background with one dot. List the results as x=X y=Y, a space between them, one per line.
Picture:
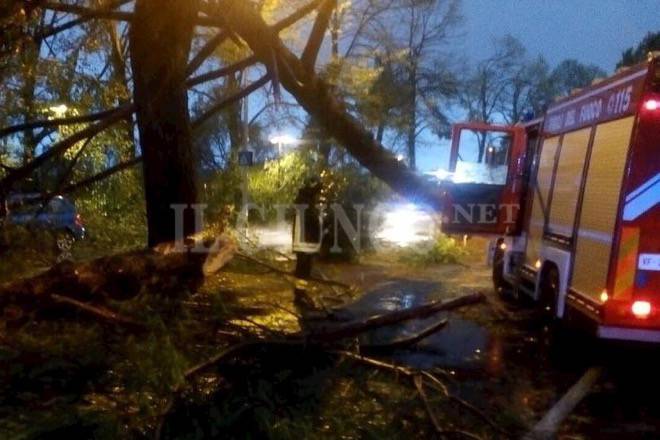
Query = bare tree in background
x=488 y=85
x=429 y=24
x=412 y=41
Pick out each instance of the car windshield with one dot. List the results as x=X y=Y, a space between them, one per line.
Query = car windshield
x=59 y=206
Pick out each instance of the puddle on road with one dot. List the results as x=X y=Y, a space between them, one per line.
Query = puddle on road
x=522 y=366
x=462 y=344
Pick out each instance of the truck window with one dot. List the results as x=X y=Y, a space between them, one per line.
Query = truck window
x=483 y=157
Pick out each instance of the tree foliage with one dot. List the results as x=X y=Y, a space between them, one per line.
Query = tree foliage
x=637 y=54
x=388 y=63
x=509 y=86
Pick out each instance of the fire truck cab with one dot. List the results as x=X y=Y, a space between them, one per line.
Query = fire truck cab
x=571 y=200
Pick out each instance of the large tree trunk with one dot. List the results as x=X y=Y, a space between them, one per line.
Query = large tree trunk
x=160 y=40
x=98 y=282
x=316 y=97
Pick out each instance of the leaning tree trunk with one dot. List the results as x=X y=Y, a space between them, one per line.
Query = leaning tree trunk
x=317 y=98
x=160 y=40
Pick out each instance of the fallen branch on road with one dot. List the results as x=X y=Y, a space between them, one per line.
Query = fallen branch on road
x=435 y=384
x=404 y=342
x=335 y=332
x=549 y=425
x=418 y=380
x=332 y=340
x=343 y=332
x=102 y=313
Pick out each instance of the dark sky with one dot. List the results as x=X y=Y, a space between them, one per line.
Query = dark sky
x=591 y=31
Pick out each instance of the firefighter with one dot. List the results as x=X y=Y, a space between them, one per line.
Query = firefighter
x=306 y=238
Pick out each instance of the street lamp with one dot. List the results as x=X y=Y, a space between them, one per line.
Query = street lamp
x=282 y=140
x=59 y=110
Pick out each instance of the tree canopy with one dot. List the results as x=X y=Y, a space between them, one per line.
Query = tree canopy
x=637 y=54
x=96 y=86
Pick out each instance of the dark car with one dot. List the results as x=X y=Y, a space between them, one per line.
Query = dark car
x=58 y=215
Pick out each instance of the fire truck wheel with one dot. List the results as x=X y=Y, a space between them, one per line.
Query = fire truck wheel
x=549 y=290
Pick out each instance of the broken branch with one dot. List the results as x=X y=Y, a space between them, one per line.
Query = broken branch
x=91 y=117
x=95 y=178
x=118 y=277
x=404 y=342
x=315 y=41
x=62 y=146
x=419 y=384
x=437 y=384
x=206 y=52
x=78 y=21
x=46 y=198
x=296 y=16
x=224 y=71
x=88 y=12
x=101 y=313
x=354 y=328
x=548 y=426
x=230 y=100
x=103 y=13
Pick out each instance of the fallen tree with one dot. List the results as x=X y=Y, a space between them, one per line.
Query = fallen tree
x=318 y=99
x=88 y=286
x=160 y=96
x=336 y=340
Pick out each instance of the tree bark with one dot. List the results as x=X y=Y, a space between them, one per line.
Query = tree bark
x=160 y=40
x=121 y=277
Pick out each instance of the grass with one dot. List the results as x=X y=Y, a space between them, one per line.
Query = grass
x=443 y=250
x=73 y=378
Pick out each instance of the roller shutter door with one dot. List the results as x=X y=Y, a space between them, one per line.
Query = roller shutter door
x=600 y=204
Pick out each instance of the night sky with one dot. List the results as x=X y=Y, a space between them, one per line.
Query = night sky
x=591 y=31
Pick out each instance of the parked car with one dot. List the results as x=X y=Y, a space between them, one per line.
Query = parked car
x=58 y=215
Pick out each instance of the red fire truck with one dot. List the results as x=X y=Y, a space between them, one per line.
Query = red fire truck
x=573 y=201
